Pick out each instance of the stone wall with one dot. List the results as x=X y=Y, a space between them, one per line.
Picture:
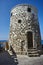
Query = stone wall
x=23 y=18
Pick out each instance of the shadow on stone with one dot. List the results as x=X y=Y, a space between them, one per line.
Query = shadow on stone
x=14 y=56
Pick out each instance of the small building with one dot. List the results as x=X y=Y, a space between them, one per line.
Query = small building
x=24 y=29
x=4 y=45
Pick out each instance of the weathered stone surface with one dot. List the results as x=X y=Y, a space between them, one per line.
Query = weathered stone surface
x=24 y=19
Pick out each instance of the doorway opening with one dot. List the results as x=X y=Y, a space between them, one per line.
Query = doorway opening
x=29 y=39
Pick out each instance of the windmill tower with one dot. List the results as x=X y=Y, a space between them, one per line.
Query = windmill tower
x=24 y=29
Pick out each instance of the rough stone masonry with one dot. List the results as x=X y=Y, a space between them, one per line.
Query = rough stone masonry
x=24 y=29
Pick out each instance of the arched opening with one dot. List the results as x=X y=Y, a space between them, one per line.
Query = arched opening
x=29 y=39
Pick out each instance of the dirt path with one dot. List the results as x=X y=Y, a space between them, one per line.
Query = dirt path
x=7 y=59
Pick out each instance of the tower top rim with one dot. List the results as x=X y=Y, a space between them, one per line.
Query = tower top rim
x=29 y=5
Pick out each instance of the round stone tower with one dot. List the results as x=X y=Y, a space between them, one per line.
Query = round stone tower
x=24 y=29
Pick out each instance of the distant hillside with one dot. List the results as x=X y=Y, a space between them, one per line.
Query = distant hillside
x=41 y=41
x=3 y=40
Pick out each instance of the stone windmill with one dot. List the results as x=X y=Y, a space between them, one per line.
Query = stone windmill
x=24 y=29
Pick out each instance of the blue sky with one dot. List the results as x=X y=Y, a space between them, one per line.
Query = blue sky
x=5 y=8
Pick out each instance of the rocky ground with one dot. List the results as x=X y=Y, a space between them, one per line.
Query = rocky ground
x=7 y=59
